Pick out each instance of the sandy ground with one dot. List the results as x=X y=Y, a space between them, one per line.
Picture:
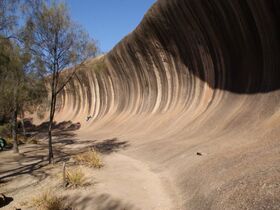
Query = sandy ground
x=123 y=182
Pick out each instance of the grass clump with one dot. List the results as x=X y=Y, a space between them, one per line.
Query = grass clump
x=75 y=177
x=48 y=201
x=90 y=158
x=32 y=140
x=9 y=141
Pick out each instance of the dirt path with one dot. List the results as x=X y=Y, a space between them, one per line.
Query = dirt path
x=138 y=181
x=125 y=183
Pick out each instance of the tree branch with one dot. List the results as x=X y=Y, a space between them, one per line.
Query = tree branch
x=70 y=77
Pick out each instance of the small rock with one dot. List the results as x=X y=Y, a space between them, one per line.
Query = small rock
x=2 y=199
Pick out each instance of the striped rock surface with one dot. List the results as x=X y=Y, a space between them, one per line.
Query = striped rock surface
x=194 y=77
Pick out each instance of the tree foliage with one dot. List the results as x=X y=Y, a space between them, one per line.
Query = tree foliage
x=8 y=19
x=58 y=44
x=20 y=84
x=46 y=52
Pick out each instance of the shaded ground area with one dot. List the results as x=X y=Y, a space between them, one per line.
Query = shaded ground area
x=123 y=183
x=116 y=186
x=61 y=129
x=34 y=157
x=110 y=145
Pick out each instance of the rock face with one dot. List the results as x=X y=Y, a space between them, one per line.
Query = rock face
x=195 y=75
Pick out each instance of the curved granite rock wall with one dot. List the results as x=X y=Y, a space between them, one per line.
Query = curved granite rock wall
x=194 y=76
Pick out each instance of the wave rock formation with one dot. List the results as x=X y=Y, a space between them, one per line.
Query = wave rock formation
x=194 y=77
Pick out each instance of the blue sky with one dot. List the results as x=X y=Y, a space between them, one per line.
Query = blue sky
x=108 y=21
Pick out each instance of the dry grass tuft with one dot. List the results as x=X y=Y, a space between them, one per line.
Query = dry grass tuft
x=90 y=158
x=32 y=141
x=48 y=201
x=75 y=177
x=9 y=141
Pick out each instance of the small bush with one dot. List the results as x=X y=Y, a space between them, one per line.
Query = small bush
x=99 y=65
x=21 y=139
x=31 y=140
x=5 y=130
x=48 y=201
x=90 y=158
x=9 y=141
x=75 y=177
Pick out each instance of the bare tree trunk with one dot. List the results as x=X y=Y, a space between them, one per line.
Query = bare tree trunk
x=64 y=175
x=14 y=123
x=50 y=143
x=50 y=137
x=23 y=127
x=52 y=111
x=53 y=102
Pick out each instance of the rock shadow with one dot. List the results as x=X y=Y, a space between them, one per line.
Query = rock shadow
x=109 y=146
x=5 y=200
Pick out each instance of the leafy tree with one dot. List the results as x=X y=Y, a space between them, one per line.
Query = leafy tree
x=8 y=19
x=11 y=80
x=20 y=87
x=8 y=22
x=59 y=44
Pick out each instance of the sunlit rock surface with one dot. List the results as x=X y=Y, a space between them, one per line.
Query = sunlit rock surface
x=194 y=76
